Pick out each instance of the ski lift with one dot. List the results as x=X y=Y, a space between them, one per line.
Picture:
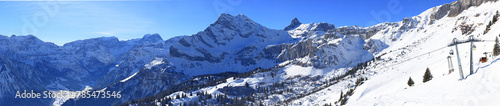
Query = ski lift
x=450 y=65
x=451 y=52
x=485 y=58
x=474 y=47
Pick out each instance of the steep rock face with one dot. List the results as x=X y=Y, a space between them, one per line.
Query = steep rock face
x=392 y=32
x=323 y=45
x=327 y=50
x=374 y=46
x=294 y=24
x=323 y=27
x=363 y=32
x=305 y=30
x=231 y=40
x=458 y=6
x=16 y=76
x=407 y=24
x=440 y=12
x=342 y=52
x=286 y=52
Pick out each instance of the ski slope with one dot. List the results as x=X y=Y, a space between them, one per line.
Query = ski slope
x=480 y=88
x=415 y=51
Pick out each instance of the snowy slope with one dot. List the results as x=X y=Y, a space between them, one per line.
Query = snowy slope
x=480 y=88
x=426 y=47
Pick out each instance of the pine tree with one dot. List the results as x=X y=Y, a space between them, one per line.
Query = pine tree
x=410 y=82
x=247 y=85
x=341 y=95
x=427 y=75
x=487 y=28
x=496 y=48
x=495 y=17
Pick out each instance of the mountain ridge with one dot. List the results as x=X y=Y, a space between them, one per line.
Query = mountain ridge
x=230 y=44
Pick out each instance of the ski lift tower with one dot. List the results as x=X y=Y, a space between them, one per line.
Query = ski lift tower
x=455 y=43
x=472 y=47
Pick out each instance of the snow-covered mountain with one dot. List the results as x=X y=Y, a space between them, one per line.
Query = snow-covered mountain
x=238 y=44
x=17 y=76
x=238 y=61
x=355 y=65
x=232 y=43
x=92 y=62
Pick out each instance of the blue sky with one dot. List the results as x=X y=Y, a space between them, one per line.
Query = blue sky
x=69 y=20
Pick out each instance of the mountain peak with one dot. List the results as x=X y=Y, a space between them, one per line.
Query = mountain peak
x=241 y=16
x=152 y=37
x=295 y=23
x=224 y=18
x=31 y=38
x=295 y=20
x=229 y=17
x=323 y=26
x=233 y=22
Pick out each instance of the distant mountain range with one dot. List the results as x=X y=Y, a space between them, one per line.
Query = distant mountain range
x=144 y=69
